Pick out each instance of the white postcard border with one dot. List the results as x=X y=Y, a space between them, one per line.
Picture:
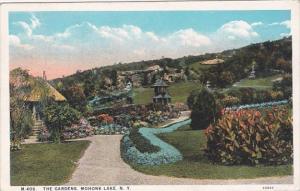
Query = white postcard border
x=148 y=6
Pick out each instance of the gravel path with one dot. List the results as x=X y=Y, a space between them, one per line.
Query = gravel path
x=102 y=165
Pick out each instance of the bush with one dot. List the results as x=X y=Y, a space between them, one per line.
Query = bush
x=229 y=101
x=78 y=130
x=252 y=137
x=205 y=109
x=58 y=117
x=251 y=95
x=285 y=86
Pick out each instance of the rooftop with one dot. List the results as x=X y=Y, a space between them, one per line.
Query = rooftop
x=159 y=82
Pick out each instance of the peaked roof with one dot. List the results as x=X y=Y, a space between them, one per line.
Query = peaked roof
x=39 y=87
x=36 y=93
x=159 y=82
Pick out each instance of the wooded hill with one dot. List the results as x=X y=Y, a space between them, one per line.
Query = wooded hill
x=268 y=57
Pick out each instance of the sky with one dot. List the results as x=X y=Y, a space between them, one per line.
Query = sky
x=63 y=42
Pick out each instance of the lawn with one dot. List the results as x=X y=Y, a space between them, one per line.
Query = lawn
x=195 y=165
x=45 y=164
x=178 y=91
x=258 y=83
x=198 y=66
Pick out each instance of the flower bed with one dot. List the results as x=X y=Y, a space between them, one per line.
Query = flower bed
x=258 y=105
x=111 y=129
x=80 y=130
x=166 y=154
x=141 y=143
x=252 y=137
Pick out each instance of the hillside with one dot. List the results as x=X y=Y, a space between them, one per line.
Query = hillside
x=269 y=58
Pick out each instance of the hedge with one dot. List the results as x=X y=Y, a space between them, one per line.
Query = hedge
x=166 y=154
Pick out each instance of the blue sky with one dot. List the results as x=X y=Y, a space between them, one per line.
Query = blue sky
x=91 y=39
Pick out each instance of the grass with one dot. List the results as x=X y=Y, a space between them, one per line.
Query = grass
x=258 y=83
x=45 y=164
x=195 y=165
x=178 y=91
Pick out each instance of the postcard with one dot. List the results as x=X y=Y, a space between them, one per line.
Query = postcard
x=199 y=95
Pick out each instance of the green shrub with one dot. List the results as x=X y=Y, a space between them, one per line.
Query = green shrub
x=228 y=101
x=285 y=86
x=251 y=95
x=252 y=137
x=205 y=109
x=141 y=143
x=58 y=116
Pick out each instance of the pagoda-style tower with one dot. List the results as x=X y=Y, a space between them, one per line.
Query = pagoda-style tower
x=161 y=95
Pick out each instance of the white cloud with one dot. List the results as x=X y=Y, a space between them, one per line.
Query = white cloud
x=90 y=44
x=25 y=26
x=237 y=29
x=257 y=24
x=285 y=34
x=15 y=41
x=286 y=23
x=189 y=38
x=35 y=22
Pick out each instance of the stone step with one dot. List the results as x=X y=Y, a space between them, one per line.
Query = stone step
x=32 y=137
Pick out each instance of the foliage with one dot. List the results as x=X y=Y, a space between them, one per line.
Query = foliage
x=58 y=116
x=252 y=137
x=204 y=108
x=43 y=135
x=20 y=116
x=75 y=96
x=111 y=129
x=78 y=130
x=259 y=105
x=252 y=95
x=229 y=101
x=166 y=154
x=237 y=65
x=105 y=118
x=285 y=86
x=197 y=166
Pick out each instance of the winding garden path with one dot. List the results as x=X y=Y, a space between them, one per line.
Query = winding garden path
x=101 y=164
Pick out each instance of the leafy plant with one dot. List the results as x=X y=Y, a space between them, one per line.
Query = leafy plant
x=58 y=116
x=205 y=108
x=229 y=101
x=252 y=137
x=20 y=116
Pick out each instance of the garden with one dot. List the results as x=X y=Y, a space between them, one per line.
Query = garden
x=242 y=133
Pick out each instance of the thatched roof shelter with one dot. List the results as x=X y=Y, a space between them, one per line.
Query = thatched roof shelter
x=37 y=93
x=35 y=88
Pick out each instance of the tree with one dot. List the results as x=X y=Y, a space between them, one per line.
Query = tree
x=226 y=78
x=20 y=116
x=76 y=97
x=57 y=117
x=114 y=77
x=205 y=109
